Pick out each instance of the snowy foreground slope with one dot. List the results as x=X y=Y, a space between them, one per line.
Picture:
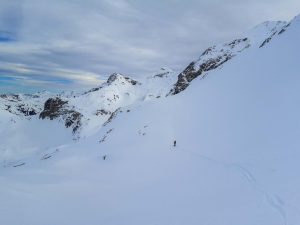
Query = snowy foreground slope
x=237 y=156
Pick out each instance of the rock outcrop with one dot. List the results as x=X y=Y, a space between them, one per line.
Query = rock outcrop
x=210 y=59
x=53 y=108
x=56 y=107
x=115 y=77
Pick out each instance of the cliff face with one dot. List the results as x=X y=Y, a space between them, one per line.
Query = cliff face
x=215 y=56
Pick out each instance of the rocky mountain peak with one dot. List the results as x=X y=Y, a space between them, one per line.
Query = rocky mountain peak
x=120 y=78
x=113 y=77
x=215 y=56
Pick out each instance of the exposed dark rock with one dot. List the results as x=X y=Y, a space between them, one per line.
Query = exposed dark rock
x=114 y=77
x=10 y=97
x=21 y=109
x=237 y=41
x=211 y=59
x=267 y=40
x=133 y=82
x=106 y=135
x=103 y=139
x=8 y=108
x=20 y=164
x=93 y=90
x=73 y=119
x=102 y=112
x=284 y=28
x=161 y=75
x=26 y=111
x=112 y=116
x=53 y=108
x=109 y=131
x=56 y=107
x=207 y=51
x=190 y=73
x=282 y=31
x=46 y=156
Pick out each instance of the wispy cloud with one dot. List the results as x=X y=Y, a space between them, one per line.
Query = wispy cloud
x=83 y=41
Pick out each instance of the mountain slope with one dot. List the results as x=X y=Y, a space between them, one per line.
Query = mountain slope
x=215 y=56
x=26 y=118
x=236 y=160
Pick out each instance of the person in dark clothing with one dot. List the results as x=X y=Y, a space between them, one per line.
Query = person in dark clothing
x=174 y=143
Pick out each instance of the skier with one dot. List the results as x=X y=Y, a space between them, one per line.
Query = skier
x=174 y=144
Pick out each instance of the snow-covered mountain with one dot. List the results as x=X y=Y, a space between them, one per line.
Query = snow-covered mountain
x=82 y=113
x=217 y=55
x=107 y=155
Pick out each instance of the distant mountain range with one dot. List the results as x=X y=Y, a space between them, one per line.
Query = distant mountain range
x=217 y=143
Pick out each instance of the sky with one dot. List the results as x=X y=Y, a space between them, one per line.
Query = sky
x=76 y=44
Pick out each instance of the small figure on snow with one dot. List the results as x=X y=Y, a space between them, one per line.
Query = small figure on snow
x=104 y=157
x=174 y=144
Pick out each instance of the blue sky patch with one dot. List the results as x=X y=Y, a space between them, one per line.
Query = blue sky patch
x=6 y=37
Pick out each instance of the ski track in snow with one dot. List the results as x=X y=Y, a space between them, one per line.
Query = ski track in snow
x=273 y=200
x=101 y=105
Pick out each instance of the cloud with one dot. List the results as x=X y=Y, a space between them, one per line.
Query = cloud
x=84 y=41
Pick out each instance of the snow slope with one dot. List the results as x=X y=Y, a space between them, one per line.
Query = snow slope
x=28 y=128
x=236 y=160
x=214 y=57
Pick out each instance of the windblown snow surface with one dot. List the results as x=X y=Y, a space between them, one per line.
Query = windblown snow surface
x=236 y=161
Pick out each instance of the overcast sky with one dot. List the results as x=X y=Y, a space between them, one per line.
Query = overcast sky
x=60 y=44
